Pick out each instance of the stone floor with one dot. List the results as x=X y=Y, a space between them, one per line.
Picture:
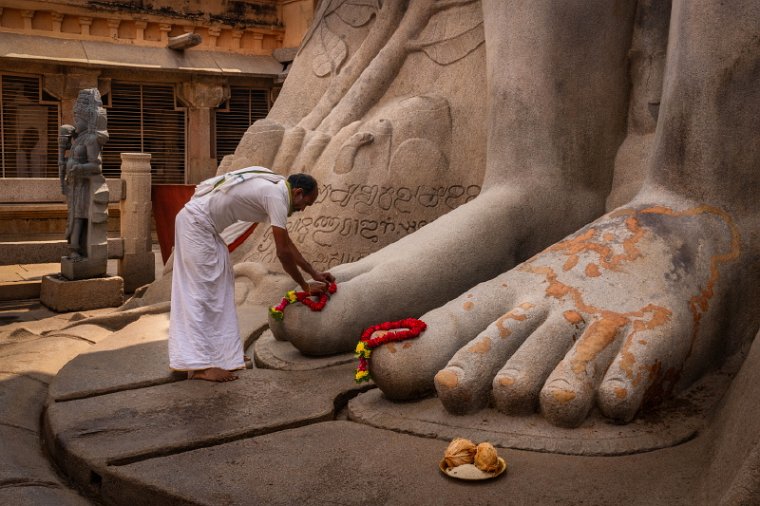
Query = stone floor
x=90 y=414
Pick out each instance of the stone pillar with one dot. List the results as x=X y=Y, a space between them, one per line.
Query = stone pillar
x=137 y=266
x=202 y=96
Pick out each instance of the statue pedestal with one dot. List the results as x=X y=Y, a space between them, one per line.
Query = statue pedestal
x=62 y=295
x=85 y=268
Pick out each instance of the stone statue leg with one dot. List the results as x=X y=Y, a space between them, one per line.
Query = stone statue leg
x=642 y=302
x=556 y=119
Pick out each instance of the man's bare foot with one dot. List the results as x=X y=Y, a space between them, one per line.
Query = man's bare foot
x=212 y=374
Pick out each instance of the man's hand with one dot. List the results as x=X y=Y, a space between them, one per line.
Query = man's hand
x=316 y=287
x=324 y=277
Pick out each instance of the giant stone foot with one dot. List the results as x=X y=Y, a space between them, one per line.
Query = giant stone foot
x=424 y=270
x=620 y=314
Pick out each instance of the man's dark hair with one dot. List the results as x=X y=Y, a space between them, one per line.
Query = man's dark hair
x=303 y=181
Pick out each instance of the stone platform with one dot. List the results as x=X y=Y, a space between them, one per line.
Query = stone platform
x=126 y=431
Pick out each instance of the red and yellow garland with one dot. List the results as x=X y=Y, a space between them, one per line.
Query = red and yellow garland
x=368 y=343
x=277 y=312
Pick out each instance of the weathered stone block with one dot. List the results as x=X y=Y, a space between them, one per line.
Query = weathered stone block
x=63 y=295
x=137 y=269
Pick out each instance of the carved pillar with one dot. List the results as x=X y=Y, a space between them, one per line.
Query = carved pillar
x=213 y=34
x=28 y=16
x=85 y=23
x=140 y=27
x=113 y=28
x=165 y=29
x=137 y=266
x=202 y=97
x=57 y=18
x=237 y=36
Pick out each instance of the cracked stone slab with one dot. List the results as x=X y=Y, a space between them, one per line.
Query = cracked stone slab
x=270 y=353
x=22 y=399
x=132 y=357
x=673 y=424
x=346 y=463
x=41 y=358
x=41 y=495
x=21 y=459
x=91 y=433
x=92 y=333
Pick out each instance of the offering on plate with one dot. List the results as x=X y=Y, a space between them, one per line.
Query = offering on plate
x=460 y=451
x=486 y=458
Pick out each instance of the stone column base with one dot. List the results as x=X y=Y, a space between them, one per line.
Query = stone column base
x=62 y=295
x=137 y=270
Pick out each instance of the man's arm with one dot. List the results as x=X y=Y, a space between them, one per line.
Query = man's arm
x=291 y=259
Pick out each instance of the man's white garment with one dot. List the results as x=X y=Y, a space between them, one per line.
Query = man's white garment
x=203 y=329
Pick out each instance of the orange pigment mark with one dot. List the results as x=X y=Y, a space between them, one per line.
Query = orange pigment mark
x=506 y=381
x=469 y=295
x=390 y=347
x=597 y=337
x=526 y=306
x=406 y=345
x=446 y=378
x=563 y=396
x=592 y=271
x=468 y=305
x=483 y=345
x=573 y=317
x=571 y=262
x=584 y=243
x=503 y=330
x=627 y=363
x=621 y=393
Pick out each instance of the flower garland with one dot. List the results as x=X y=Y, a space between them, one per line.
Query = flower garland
x=278 y=312
x=368 y=343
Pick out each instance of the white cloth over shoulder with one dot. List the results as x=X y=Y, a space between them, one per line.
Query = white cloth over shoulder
x=256 y=202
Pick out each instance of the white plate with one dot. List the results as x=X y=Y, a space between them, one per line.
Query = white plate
x=470 y=472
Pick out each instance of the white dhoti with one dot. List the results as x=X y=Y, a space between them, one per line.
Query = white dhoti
x=203 y=328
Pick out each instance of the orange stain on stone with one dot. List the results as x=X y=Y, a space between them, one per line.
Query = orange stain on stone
x=482 y=345
x=571 y=262
x=506 y=381
x=573 y=317
x=390 y=347
x=607 y=259
x=563 y=396
x=469 y=295
x=526 y=305
x=503 y=330
x=621 y=393
x=592 y=271
x=468 y=305
x=406 y=345
x=446 y=378
x=595 y=339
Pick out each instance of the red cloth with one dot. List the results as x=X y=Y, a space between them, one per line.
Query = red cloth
x=167 y=201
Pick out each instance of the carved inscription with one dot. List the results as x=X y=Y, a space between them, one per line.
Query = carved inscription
x=365 y=199
x=367 y=217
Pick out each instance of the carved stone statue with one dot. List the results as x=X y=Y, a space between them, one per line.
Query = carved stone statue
x=82 y=181
x=609 y=261
x=640 y=302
